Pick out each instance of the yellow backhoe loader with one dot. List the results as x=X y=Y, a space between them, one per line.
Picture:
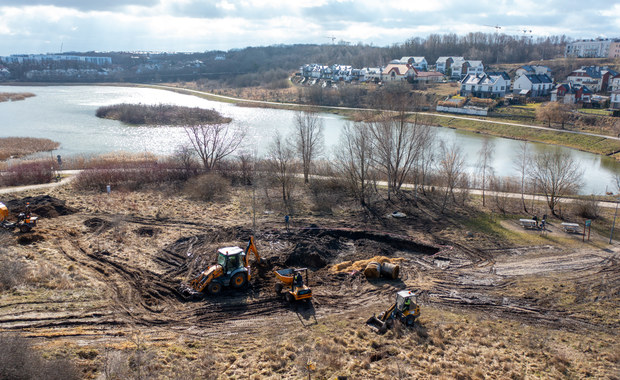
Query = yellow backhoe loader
x=405 y=309
x=232 y=269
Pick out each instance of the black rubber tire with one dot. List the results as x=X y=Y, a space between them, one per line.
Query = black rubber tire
x=409 y=320
x=24 y=228
x=214 y=288
x=238 y=280
x=389 y=323
x=279 y=288
x=289 y=297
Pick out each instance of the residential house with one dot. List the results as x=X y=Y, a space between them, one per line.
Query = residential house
x=462 y=68
x=4 y=72
x=535 y=85
x=614 y=83
x=419 y=63
x=398 y=72
x=444 y=64
x=570 y=93
x=489 y=85
x=614 y=100
x=475 y=67
x=370 y=74
x=595 y=77
x=533 y=69
x=429 y=76
x=341 y=73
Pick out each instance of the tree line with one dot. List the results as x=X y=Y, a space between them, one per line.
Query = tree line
x=270 y=65
x=381 y=155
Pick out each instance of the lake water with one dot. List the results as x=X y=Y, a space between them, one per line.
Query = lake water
x=67 y=114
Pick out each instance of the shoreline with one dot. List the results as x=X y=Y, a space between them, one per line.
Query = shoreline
x=520 y=132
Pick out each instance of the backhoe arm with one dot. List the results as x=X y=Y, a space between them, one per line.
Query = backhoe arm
x=251 y=247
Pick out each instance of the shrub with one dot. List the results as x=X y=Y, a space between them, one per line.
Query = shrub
x=130 y=176
x=27 y=173
x=12 y=273
x=19 y=360
x=587 y=208
x=210 y=187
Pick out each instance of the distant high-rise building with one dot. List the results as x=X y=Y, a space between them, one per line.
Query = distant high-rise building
x=598 y=48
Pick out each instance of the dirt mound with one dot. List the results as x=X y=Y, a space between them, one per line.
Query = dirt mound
x=43 y=206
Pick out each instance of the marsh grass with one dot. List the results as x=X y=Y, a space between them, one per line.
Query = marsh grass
x=14 y=96
x=12 y=147
x=160 y=114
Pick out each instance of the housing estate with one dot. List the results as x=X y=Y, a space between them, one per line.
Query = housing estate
x=398 y=72
x=614 y=100
x=38 y=58
x=444 y=64
x=596 y=78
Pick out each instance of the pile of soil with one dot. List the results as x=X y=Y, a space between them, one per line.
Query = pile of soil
x=43 y=206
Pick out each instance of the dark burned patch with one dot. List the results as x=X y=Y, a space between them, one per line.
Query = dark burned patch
x=27 y=239
x=43 y=206
x=97 y=224
x=147 y=231
x=398 y=242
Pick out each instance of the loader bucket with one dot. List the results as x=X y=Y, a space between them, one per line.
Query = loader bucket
x=377 y=324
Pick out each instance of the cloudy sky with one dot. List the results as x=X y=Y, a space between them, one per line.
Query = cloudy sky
x=43 y=26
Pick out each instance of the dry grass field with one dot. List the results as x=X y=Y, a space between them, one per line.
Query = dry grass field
x=98 y=281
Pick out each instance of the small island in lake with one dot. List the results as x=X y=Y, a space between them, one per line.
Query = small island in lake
x=161 y=114
x=14 y=147
x=14 y=96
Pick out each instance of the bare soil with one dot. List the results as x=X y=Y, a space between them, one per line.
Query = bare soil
x=106 y=268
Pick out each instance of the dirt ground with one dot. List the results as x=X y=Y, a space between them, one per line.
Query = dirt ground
x=105 y=274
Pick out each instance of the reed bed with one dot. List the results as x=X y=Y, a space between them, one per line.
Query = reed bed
x=14 y=147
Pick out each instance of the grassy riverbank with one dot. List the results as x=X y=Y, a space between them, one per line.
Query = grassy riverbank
x=587 y=143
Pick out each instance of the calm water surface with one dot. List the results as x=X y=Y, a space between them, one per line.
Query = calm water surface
x=67 y=114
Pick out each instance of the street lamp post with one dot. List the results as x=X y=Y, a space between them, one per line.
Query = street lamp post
x=611 y=235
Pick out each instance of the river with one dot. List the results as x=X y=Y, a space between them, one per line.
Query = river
x=67 y=114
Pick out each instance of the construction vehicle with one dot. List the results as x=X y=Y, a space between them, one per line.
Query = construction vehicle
x=25 y=221
x=232 y=269
x=405 y=309
x=291 y=280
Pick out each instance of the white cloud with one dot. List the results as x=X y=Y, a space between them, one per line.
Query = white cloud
x=184 y=25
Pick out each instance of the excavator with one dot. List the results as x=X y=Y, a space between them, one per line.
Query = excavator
x=232 y=269
x=25 y=221
x=405 y=309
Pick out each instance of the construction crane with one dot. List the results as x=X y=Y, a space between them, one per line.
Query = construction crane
x=333 y=38
x=497 y=27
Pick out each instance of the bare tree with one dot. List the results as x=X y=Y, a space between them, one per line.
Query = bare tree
x=554 y=112
x=522 y=163
x=451 y=169
x=556 y=174
x=485 y=156
x=214 y=142
x=355 y=157
x=281 y=163
x=398 y=145
x=308 y=138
